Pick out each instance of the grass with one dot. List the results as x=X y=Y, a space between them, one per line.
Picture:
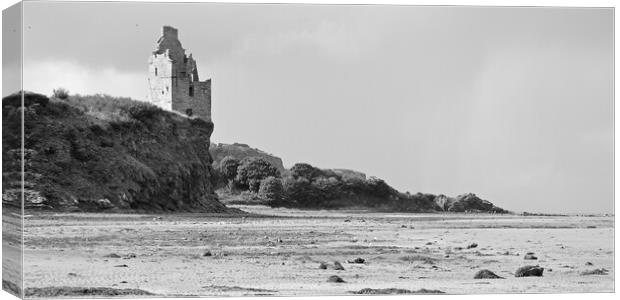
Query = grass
x=104 y=106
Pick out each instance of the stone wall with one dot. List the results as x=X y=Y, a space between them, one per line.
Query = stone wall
x=173 y=79
x=160 y=80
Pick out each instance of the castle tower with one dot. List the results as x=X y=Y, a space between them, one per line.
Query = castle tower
x=173 y=79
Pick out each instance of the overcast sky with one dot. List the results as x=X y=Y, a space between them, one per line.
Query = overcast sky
x=513 y=104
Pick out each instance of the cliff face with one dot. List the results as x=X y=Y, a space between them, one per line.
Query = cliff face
x=110 y=154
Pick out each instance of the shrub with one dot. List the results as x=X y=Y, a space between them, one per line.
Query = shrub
x=271 y=189
x=252 y=170
x=60 y=93
x=300 y=192
x=379 y=188
x=254 y=185
x=228 y=167
x=143 y=111
x=306 y=171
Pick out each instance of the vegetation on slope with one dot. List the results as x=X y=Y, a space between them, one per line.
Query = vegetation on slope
x=99 y=152
x=240 y=151
x=305 y=186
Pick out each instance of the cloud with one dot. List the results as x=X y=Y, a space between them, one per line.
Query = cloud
x=345 y=35
x=44 y=76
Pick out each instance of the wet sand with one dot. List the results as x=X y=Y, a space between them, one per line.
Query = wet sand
x=280 y=254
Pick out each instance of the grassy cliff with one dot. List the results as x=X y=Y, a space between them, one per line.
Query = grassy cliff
x=95 y=153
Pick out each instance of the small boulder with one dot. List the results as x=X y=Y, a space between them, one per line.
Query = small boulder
x=528 y=271
x=335 y=278
x=104 y=203
x=323 y=266
x=207 y=253
x=589 y=264
x=486 y=274
x=472 y=245
x=338 y=266
x=601 y=271
x=358 y=260
x=530 y=256
x=112 y=255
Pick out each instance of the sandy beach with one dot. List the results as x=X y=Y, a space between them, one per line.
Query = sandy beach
x=280 y=254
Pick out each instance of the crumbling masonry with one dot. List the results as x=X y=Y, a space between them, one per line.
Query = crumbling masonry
x=173 y=79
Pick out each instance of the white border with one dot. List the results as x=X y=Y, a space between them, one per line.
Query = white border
x=563 y=3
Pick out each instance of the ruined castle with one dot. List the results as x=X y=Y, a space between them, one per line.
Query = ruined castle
x=173 y=79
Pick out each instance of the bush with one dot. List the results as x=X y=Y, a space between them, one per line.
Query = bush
x=252 y=170
x=300 y=192
x=60 y=93
x=271 y=189
x=228 y=167
x=254 y=185
x=306 y=171
x=143 y=111
x=379 y=188
x=311 y=187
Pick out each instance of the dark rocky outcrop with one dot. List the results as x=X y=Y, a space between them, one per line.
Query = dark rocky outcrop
x=486 y=274
x=103 y=153
x=601 y=271
x=528 y=271
x=335 y=278
x=357 y=260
